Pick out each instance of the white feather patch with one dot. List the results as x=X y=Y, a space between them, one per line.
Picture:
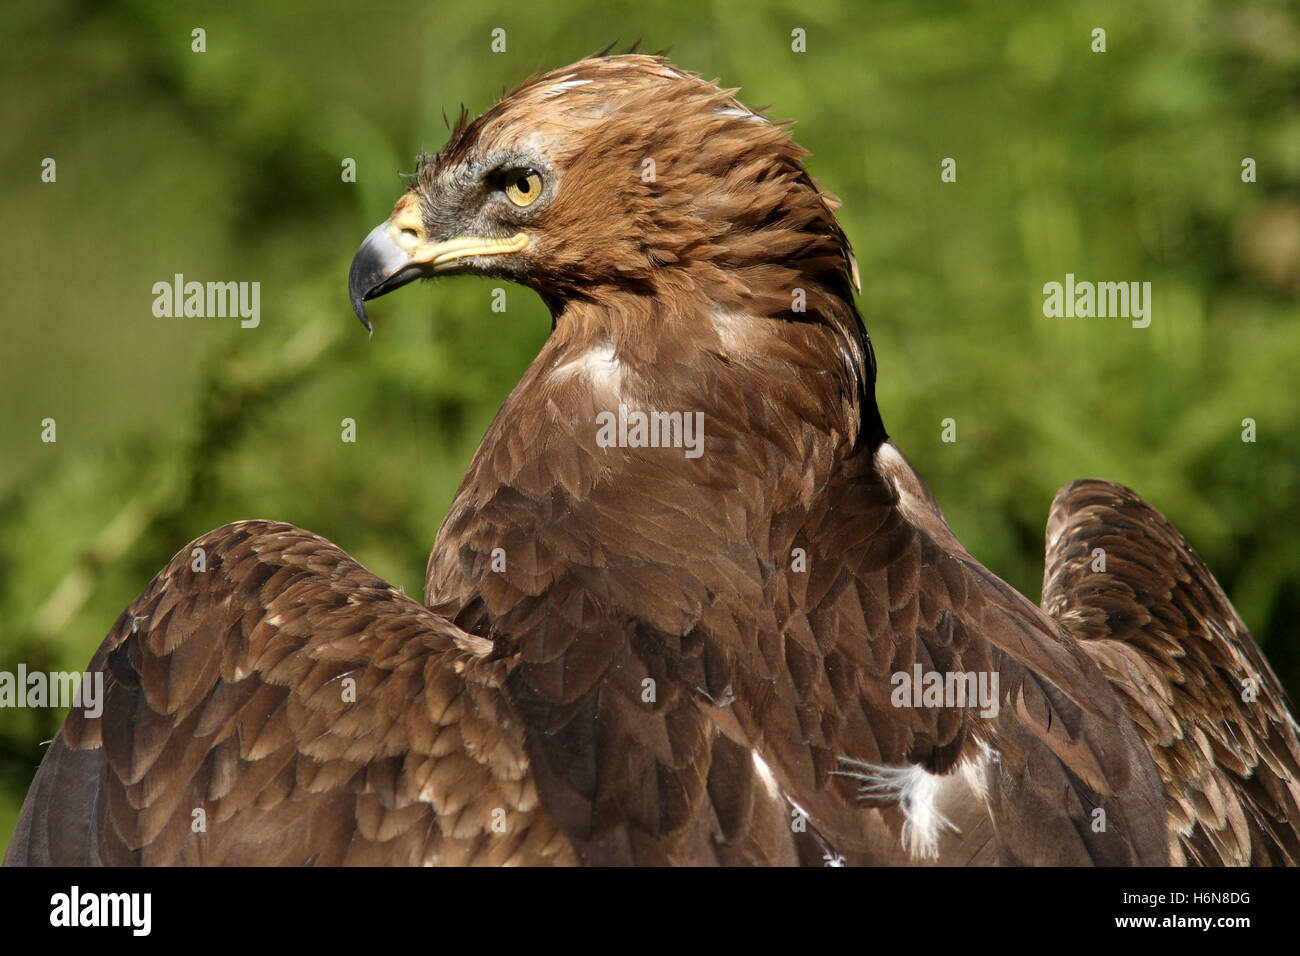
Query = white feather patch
x=564 y=85
x=599 y=366
x=734 y=331
x=919 y=794
x=734 y=112
x=975 y=771
x=916 y=792
x=891 y=463
x=765 y=774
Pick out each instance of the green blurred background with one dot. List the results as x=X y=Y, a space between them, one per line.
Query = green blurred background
x=225 y=165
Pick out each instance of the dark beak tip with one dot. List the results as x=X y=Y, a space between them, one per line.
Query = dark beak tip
x=378 y=268
x=359 y=283
x=359 y=307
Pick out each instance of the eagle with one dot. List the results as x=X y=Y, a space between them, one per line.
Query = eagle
x=691 y=604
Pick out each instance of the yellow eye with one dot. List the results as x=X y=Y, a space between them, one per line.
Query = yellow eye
x=524 y=187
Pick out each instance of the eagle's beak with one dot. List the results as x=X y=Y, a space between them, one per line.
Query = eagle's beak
x=398 y=251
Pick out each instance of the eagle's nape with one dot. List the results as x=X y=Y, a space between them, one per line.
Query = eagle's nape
x=629 y=654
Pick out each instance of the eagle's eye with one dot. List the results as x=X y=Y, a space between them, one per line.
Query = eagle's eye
x=524 y=186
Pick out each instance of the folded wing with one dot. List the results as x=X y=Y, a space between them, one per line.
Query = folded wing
x=1142 y=603
x=269 y=701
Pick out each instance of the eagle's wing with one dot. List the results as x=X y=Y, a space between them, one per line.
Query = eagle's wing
x=890 y=588
x=1211 y=709
x=283 y=705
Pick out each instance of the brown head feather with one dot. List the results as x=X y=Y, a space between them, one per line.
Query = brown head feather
x=664 y=194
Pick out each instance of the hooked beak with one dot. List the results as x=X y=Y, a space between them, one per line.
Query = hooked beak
x=398 y=251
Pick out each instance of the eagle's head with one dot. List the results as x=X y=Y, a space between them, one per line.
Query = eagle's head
x=617 y=176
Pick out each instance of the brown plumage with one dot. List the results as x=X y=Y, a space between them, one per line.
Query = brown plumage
x=636 y=655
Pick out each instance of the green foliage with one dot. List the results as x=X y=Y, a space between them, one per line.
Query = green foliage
x=1123 y=166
